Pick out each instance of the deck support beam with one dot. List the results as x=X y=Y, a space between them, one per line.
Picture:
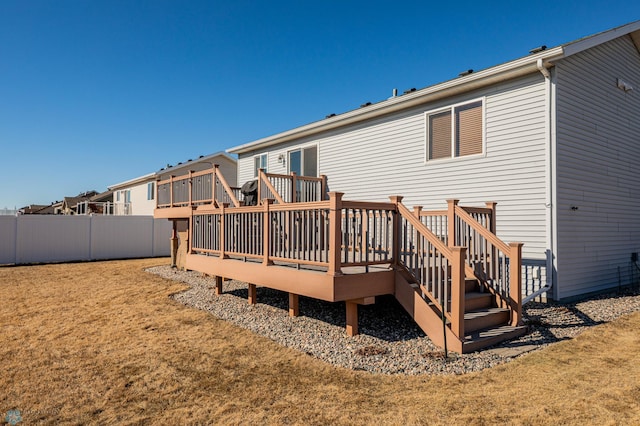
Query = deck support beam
x=252 y=294
x=218 y=285
x=294 y=309
x=352 y=318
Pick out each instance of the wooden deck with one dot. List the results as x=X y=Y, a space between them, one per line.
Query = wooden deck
x=348 y=251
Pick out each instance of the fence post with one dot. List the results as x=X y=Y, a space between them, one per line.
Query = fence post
x=457 y=290
x=335 y=233
x=515 y=282
x=451 y=222
x=266 y=231
x=396 y=199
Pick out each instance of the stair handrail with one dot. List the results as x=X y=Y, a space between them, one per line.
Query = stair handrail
x=512 y=250
x=455 y=255
x=218 y=174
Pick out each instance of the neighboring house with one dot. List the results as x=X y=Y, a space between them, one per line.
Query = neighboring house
x=135 y=196
x=69 y=204
x=32 y=209
x=552 y=137
x=98 y=204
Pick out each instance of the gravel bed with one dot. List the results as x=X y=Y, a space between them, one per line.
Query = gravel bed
x=389 y=341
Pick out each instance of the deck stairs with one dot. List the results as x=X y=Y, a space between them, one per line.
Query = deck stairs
x=485 y=323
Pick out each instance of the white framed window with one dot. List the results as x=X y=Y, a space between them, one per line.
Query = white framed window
x=127 y=196
x=304 y=161
x=259 y=162
x=151 y=190
x=455 y=131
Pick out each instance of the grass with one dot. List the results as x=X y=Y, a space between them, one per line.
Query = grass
x=103 y=343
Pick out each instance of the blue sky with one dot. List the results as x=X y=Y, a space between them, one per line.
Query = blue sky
x=94 y=93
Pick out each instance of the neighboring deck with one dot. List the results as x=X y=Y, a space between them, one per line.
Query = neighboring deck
x=439 y=264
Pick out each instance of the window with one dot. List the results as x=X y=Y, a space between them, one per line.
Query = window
x=150 y=191
x=455 y=132
x=304 y=162
x=259 y=162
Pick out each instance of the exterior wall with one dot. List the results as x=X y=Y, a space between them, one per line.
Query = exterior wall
x=373 y=160
x=598 y=152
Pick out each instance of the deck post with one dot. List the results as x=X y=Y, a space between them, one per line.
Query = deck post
x=294 y=309
x=396 y=199
x=266 y=231
x=174 y=243
x=214 y=183
x=190 y=188
x=335 y=233
x=515 y=283
x=457 y=290
x=323 y=187
x=260 y=178
x=352 y=318
x=451 y=222
x=294 y=187
x=252 y=294
x=222 y=229
x=493 y=260
x=171 y=190
x=218 y=285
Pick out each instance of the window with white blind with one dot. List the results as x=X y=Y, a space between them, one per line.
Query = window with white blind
x=456 y=131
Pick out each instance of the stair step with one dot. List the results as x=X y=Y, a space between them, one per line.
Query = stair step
x=485 y=318
x=471 y=285
x=488 y=337
x=475 y=300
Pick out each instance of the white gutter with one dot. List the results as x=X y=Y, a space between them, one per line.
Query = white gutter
x=549 y=178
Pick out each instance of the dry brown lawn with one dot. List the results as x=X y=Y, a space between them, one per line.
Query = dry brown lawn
x=103 y=343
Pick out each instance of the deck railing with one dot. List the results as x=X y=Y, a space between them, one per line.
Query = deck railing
x=197 y=188
x=440 y=249
x=291 y=188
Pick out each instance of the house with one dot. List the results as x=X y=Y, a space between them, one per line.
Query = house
x=552 y=137
x=521 y=178
x=134 y=196
x=101 y=203
x=70 y=204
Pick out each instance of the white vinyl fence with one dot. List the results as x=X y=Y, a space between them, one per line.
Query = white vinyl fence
x=43 y=239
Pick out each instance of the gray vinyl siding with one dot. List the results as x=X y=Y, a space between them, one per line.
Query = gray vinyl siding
x=373 y=160
x=598 y=152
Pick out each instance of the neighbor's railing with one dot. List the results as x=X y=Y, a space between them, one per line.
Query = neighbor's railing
x=91 y=207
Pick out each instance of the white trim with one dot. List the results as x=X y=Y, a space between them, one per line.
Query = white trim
x=451 y=108
x=131 y=182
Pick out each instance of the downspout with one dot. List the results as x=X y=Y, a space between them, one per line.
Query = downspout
x=549 y=205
